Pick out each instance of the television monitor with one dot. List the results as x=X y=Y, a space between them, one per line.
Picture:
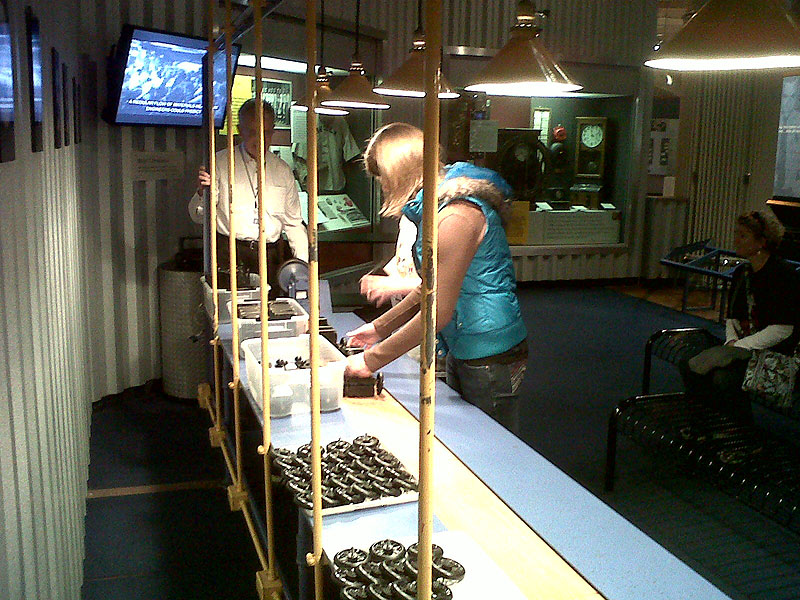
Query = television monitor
x=786 y=184
x=7 y=142
x=159 y=79
x=6 y=75
x=35 y=95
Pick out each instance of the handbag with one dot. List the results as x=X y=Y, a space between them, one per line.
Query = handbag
x=772 y=375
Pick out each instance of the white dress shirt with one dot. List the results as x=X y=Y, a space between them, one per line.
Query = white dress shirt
x=280 y=195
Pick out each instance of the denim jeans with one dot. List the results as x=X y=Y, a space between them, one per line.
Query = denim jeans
x=492 y=387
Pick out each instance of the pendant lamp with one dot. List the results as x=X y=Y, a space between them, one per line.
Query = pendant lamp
x=524 y=67
x=323 y=92
x=323 y=82
x=409 y=79
x=726 y=35
x=355 y=91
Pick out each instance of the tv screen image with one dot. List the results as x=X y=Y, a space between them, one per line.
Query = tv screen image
x=6 y=76
x=163 y=80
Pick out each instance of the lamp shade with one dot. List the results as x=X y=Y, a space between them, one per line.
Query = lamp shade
x=323 y=92
x=731 y=35
x=523 y=67
x=409 y=79
x=355 y=91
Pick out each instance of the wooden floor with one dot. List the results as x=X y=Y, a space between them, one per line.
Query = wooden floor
x=671 y=295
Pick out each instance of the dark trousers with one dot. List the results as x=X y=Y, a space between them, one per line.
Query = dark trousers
x=247 y=259
x=720 y=389
x=492 y=383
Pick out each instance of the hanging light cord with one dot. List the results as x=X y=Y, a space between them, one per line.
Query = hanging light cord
x=358 y=20
x=322 y=38
x=419 y=15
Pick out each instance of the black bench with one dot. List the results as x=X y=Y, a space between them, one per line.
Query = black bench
x=745 y=461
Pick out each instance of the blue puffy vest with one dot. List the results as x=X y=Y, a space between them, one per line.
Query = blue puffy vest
x=487 y=319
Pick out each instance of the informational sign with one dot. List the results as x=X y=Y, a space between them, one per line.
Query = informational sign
x=662 y=150
x=149 y=166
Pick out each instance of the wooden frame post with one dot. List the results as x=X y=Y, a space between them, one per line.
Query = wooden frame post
x=430 y=238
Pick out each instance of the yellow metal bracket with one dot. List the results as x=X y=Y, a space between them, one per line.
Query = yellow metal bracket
x=204 y=396
x=237 y=497
x=267 y=588
x=216 y=435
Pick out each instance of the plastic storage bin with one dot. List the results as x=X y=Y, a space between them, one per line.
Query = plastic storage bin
x=224 y=300
x=290 y=389
x=278 y=328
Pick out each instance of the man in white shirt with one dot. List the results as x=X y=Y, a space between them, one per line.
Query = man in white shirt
x=280 y=195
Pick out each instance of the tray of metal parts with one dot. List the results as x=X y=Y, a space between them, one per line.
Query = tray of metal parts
x=355 y=475
x=286 y=318
x=388 y=571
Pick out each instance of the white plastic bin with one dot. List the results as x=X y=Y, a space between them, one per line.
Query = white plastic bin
x=290 y=389
x=224 y=299
x=278 y=328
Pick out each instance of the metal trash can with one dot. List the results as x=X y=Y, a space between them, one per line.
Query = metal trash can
x=184 y=344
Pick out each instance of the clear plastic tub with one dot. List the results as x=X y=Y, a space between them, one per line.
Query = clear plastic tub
x=278 y=328
x=224 y=299
x=290 y=389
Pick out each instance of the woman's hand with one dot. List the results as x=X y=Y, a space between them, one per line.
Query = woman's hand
x=363 y=336
x=379 y=289
x=356 y=367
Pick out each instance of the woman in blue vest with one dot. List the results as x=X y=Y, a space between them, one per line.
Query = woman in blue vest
x=478 y=316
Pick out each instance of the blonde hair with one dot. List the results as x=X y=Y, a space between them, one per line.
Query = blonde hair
x=763 y=224
x=394 y=154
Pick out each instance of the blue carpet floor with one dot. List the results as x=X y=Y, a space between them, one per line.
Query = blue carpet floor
x=149 y=544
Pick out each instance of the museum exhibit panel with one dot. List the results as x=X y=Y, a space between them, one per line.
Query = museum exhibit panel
x=387 y=485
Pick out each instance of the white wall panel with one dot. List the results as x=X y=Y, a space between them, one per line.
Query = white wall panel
x=729 y=127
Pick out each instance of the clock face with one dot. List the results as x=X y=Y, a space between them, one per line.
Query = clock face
x=592 y=136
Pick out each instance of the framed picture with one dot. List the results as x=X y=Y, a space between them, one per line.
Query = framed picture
x=540 y=119
x=76 y=111
x=7 y=105
x=55 y=76
x=279 y=94
x=35 y=96
x=65 y=103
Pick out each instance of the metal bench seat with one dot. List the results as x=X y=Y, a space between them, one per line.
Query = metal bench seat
x=747 y=462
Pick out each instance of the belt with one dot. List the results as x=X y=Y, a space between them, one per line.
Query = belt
x=512 y=355
x=249 y=244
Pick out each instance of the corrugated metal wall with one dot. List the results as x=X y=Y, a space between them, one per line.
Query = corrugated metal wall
x=44 y=339
x=593 y=31
x=729 y=124
x=136 y=225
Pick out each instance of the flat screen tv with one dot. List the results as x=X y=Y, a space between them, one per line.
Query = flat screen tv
x=786 y=184
x=7 y=142
x=157 y=78
x=6 y=75
x=36 y=96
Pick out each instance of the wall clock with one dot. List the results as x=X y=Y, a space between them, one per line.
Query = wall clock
x=590 y=146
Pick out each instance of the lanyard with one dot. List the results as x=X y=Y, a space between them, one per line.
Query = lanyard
x=249 y=178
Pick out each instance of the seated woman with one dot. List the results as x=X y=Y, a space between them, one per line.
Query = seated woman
x=478 y=315
x=762 y=314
